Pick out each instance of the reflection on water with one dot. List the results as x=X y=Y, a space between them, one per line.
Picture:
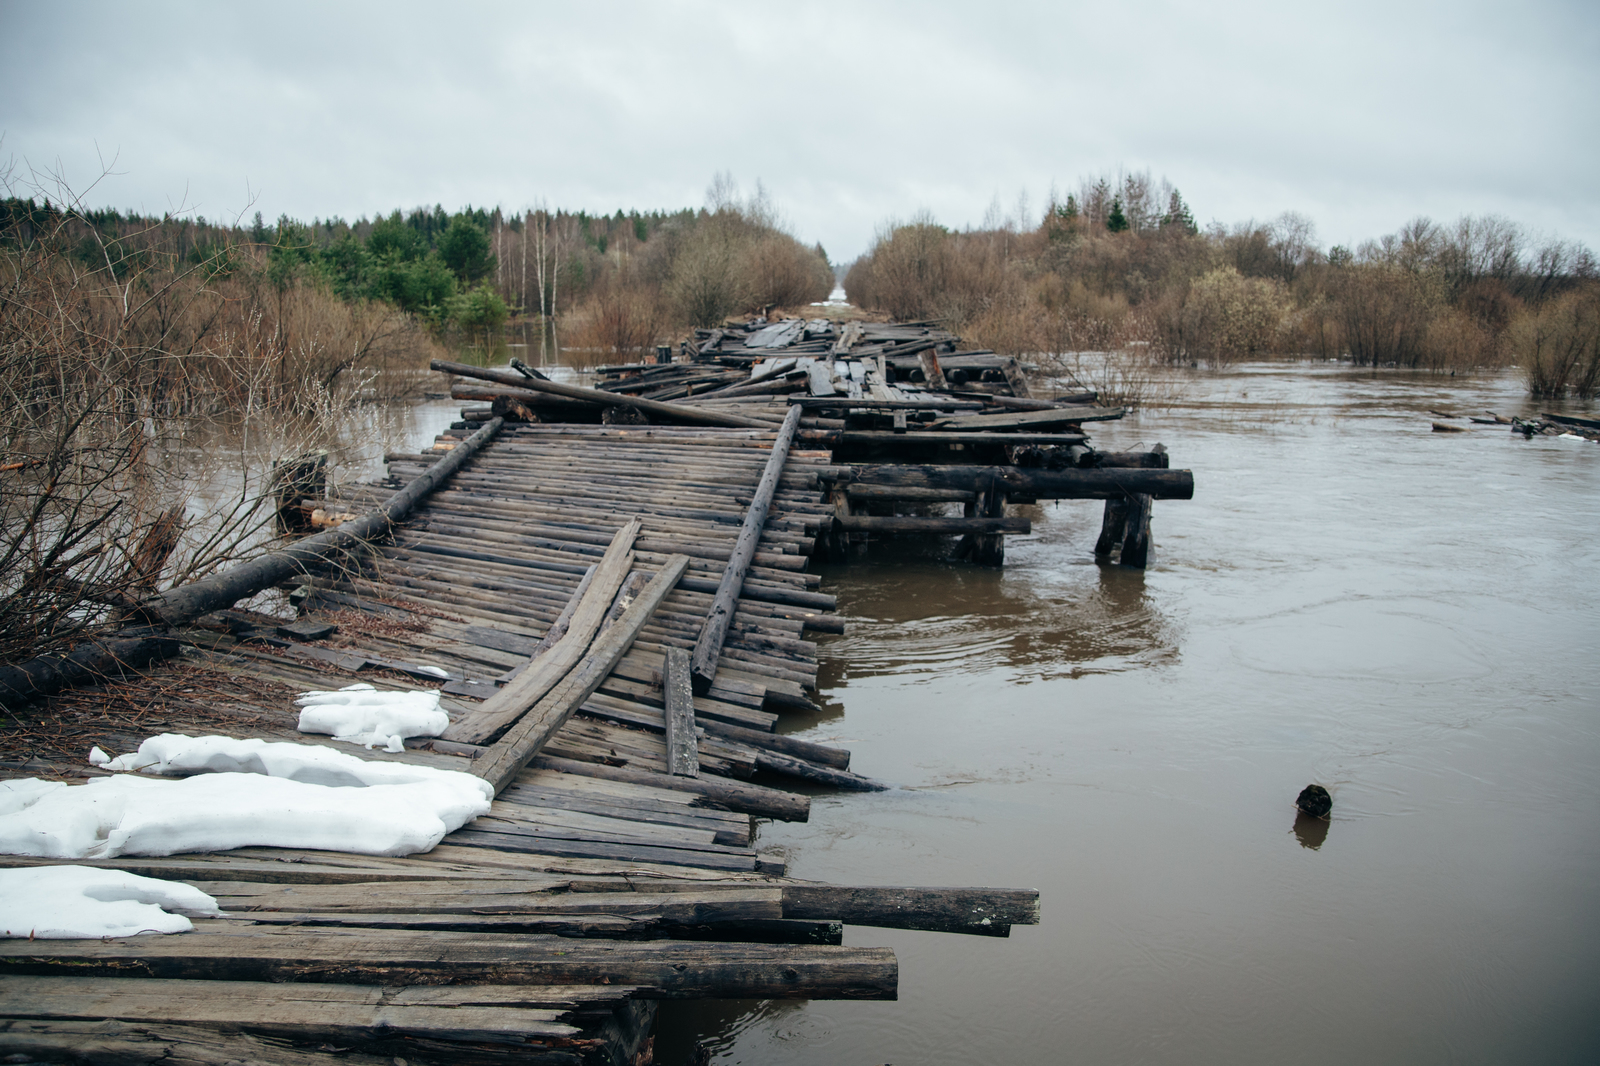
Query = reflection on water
x=1406 y=617
x=1310 y=832
x=921 y=619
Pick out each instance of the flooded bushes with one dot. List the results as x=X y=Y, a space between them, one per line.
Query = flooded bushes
x=1110 y=270
x=1558 y=346
x=1223 y=317
x=132 y=370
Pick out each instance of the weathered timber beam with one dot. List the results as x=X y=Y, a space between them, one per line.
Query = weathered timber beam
x=524 y=740
x=981 y=911
x=909 y=493
x=547 y=667
x=860 y=523
x=778 y=763
x=683 y=756
x=224 y=590
x=659 y=969
x=677 y=412
x=1017 y=403
x=718 y=791
x=1094 y=484
x=108 y=1041
x=1059 y=416
x=346 y=1014
x=708 y=649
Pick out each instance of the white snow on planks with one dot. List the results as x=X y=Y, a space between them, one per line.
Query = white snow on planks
x=73 y=902
x=244 y=793
x=363 y=715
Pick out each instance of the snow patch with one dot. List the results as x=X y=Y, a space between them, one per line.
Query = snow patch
x=59 y=902
x=243 y=793
x=361 y=714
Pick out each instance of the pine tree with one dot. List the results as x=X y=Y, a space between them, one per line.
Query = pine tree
x=1178 y=216
x=1116 y=221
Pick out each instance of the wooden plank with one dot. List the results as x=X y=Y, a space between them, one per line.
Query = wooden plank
x=978 y=911
x=556 y=660
x=219 y=950
x=343 y=1013
x=528 y=736
x=676 y=412
x=683 y=755
x=1061 y=416
x=732 y=795
x=128 y=1043
x=708 y=649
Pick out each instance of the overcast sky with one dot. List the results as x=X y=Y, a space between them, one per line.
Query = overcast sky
x=1361 y=115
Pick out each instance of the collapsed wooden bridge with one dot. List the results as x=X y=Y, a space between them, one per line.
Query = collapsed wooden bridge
x=610 y=591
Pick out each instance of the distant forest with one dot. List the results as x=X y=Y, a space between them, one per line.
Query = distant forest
x=1119 y=264
x=620 y=281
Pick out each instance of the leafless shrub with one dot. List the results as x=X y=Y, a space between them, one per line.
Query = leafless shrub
x=622 y=319
x=1558 y=346
x=1224 y=317
x=143 y=397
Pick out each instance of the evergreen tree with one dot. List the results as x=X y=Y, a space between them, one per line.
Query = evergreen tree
x=1178 y=216
x=1116 y=221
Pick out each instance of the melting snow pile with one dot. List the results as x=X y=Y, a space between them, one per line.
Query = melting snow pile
x=57 y=902
x=363 y=715
x=243 y=793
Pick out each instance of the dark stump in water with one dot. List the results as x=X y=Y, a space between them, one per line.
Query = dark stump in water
x=1315 y=801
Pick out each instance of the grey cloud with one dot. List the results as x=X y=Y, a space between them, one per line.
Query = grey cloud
x=1360 y=116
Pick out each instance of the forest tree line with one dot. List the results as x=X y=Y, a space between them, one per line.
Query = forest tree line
x=1121 y=264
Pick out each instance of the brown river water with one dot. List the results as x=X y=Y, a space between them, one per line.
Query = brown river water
x=1409 y=618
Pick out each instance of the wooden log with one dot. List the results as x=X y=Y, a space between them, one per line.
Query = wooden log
x=1136 y=541
x=859 y=523
x=224 y=590
x=1017 y=403
x=657 y=969
x=929 y=362
x=980 y=911
x=1096 y=484
x=88 y=662
x=1567 y=420
x=732 y=795
x=1113 y=525
x=683 y=756
x=1025 y=420
x=708 y=649
x=549 y=666
x=780 y=763
x=922 y=438
x=909 y=493
x=528 y=736
x=1155 y=459
x=678 y=412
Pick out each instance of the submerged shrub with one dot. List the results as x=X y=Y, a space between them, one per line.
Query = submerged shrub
x=1558 y=346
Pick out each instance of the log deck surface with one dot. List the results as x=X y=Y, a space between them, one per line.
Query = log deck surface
x=554 y=580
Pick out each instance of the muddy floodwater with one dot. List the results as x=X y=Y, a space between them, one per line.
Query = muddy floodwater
x=1409 y=618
